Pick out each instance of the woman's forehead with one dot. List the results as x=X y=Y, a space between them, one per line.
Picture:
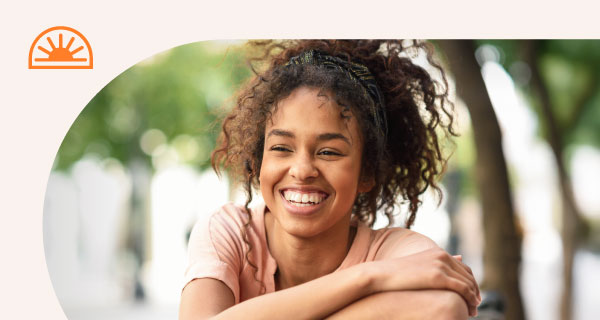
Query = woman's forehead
x=312 y=110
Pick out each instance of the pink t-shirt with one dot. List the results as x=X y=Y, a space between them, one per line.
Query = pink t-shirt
x=217 y=250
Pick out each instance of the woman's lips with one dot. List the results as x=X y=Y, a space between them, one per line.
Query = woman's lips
x=301 y=198
x=303 y=202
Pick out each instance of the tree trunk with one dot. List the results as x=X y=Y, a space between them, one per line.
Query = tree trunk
x=571 y=219
x=502 y=250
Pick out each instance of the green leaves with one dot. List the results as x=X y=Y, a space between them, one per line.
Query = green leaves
x=176 y=92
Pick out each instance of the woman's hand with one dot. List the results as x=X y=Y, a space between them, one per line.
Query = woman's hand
x=429 y=269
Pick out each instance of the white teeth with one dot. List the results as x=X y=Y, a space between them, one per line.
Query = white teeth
x=303 y=199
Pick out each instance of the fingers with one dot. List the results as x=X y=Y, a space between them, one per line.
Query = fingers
x=462 y=280
x=472 y=278
x=472 y=311
x=463 y=286
x=466 y=271
x=462 y=290
x=434 y=269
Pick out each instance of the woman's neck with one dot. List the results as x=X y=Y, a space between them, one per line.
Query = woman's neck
x=303 y=259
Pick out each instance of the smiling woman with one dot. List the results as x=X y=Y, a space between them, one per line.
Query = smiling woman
x=330 y=133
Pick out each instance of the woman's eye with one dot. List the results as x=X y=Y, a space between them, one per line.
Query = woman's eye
x=329 y=153
x=280 y=149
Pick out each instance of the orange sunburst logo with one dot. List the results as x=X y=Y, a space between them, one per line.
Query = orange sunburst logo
x=49 y=51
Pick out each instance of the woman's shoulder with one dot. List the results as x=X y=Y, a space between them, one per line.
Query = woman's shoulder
x=225 y=234
x=231 y=214
x=227 y=222
x=396 y=242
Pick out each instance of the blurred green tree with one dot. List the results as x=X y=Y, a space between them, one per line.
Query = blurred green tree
x=564 y=88
x=502 y=248
x=177 y=92
x=561 y=79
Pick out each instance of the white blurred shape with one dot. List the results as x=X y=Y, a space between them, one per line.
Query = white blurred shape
x=82 y=218
x=61 y=231
x=151 y=139
x=178 y=195
x=541 y=270
x=586 y=281
x=239 y=197
x=585 y=174
x=431 y=220
x=164 y=156
x=487 y=53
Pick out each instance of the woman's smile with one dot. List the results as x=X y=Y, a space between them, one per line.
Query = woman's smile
x=303 y=202
x=303 y=199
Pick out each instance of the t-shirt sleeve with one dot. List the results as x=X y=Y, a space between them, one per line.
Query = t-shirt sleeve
x=215 y=249
x=400 y=242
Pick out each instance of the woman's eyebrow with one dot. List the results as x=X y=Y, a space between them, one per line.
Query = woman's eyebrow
x=332 y=136
x=322 y=137
x=280 y=133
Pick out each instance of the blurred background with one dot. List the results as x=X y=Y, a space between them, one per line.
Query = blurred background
x=521 y=200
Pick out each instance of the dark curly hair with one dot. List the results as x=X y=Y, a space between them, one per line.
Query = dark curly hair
x=402 y=164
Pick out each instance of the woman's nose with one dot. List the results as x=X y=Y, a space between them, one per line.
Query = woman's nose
x=303 y=168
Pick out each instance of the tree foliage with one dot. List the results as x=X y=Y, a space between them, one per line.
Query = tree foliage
x=178 y=92
x=571 y=71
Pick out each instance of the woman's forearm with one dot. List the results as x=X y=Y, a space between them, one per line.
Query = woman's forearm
x=404 y=305
x=315 y=299
x=428 y=270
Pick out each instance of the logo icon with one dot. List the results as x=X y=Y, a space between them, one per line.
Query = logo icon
x=76 y=53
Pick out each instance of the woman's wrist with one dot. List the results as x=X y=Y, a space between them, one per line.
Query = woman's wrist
x=369 y=277
x=387 y=275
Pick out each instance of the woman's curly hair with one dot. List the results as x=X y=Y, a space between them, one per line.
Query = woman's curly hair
x=402 y=164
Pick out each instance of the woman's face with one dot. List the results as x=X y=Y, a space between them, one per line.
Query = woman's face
x=311 y=164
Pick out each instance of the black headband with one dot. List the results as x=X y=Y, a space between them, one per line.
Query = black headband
x=357 y=72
